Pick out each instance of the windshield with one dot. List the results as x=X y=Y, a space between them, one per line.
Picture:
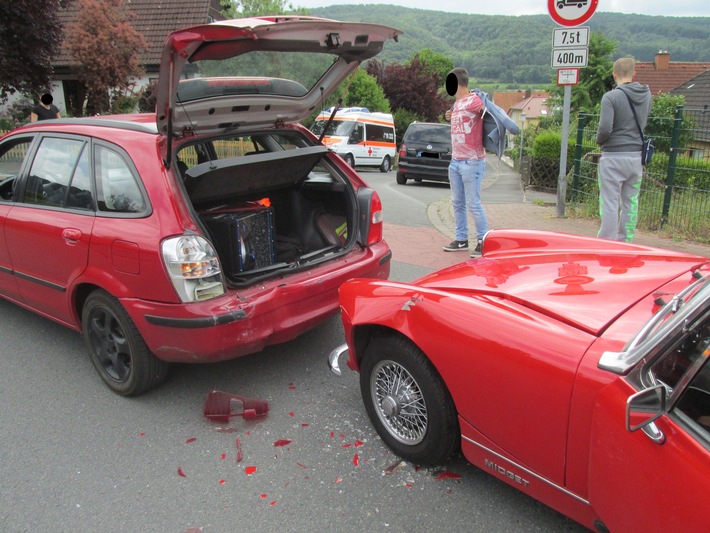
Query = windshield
x=340 y=128
x=254 y=73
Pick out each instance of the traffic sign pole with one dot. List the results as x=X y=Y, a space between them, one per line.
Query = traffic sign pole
x=570 y=52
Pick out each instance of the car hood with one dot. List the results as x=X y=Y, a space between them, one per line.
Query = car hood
x=206 y=87
x=582 y=281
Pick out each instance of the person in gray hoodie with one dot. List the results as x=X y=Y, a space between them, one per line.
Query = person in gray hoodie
x=620 y=168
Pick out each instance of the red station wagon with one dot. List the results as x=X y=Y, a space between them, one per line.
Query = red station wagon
x=208 y=230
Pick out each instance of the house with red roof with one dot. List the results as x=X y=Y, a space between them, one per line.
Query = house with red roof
x=663 y=75
x=154 y=20
x=530 y=110
x=696 y=92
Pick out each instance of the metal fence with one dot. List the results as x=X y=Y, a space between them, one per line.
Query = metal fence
x=675 y=191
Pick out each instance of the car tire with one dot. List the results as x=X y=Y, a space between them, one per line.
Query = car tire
x=116 y=348
x=408 y=402
x=386 y=164
x=401 y=178
x=350 y=160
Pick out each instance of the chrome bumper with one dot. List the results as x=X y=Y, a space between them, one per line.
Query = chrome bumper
x=333 y=358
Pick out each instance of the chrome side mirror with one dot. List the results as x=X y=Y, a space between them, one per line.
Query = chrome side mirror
x=644 y=407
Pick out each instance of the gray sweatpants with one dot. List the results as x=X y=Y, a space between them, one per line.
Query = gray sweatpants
x=619 y=177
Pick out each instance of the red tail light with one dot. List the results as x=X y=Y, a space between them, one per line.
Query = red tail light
x=374 y=235
x=403 y=151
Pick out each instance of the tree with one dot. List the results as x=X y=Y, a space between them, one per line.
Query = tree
x=254 y=8
x=364 y=91
x=105 y=49
x=594 y=80
x=410 y=87
x=435 y=63
x=661 y=122
x=30 y=37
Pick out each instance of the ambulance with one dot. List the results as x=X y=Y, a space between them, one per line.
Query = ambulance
x=360 y=137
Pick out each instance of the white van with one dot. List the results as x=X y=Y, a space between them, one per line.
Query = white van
x=360 y=137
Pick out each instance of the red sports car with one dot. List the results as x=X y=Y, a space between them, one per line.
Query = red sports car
x=209 y=229
x=575 y=369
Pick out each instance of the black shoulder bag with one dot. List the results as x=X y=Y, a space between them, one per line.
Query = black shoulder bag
x=647 y=146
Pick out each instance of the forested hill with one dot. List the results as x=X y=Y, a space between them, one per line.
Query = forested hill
x=517 y=49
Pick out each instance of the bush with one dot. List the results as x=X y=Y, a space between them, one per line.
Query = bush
x=147 y=98
x=547 y=145
x=402 y=119
x=16 y=114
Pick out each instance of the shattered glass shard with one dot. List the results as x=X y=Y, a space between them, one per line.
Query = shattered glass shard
x=392 y=467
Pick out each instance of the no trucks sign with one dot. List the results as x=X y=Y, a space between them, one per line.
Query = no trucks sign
x=571 y=12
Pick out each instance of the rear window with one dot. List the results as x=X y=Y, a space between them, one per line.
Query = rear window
x=255 y=73
x=429 y=133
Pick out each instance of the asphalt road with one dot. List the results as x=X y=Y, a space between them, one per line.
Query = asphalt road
x=77 y=458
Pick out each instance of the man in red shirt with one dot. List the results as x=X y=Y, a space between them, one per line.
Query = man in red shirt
x=468 y=160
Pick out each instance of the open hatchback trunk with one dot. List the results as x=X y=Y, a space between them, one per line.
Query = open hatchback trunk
x=266 y=191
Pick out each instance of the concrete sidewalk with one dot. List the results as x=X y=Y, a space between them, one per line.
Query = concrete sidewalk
x=508 y=206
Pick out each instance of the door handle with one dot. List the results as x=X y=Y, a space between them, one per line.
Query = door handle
x=71 y=235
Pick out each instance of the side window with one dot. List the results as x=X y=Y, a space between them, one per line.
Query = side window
x=53 y=168
x=380 y=133
x=12 y=154
x=684 y=355
x=80 y=196
x=695 y=401
x=117 y=188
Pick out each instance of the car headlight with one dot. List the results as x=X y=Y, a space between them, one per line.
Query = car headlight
x=193 y=267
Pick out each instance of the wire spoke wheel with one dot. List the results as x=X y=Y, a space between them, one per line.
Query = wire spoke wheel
x=399 y=402
x=407 y=401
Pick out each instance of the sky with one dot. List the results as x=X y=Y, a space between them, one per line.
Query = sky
x=668 y=8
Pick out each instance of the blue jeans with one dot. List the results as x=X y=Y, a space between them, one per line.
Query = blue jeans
x=465 y=179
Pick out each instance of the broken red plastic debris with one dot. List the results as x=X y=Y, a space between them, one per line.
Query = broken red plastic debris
x=224 y=456
x=180 y=472
x=358 y=443
x=291 y=386
x=263 y=496
x=346 y=445
x=191 y=439
x=222 y=482
x=356 y=460
x=391 y=467
x=249 y=470
x=282 y=442
x=338 y=480
x=238 y=442
x=221 y=406
x=447 y=475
